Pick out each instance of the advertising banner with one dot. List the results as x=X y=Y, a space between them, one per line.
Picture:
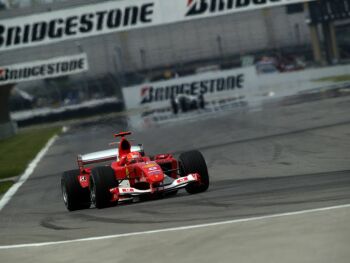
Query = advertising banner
x=236 y=82
x=51 y=68
x=114 y=16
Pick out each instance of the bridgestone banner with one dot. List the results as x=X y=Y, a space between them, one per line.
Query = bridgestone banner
x=236 y=82
x=55 y=67
x=114 y=16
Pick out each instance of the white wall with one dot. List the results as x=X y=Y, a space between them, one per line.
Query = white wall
x=240 y=33
x=256 y=88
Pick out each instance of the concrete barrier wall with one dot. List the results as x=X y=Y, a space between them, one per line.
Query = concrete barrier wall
x=290 y=83
x=7 y=130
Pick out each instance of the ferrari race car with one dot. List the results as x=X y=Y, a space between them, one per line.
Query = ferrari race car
x=130 y=176
x=187 y=103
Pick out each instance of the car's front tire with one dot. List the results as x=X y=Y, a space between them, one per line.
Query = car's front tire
x=102 y=179
x=74 y=196
x=193 y=162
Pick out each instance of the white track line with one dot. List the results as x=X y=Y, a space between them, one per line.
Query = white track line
x=24 y=177
x=175 y=228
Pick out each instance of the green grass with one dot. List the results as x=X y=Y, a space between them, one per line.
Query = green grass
x=340 y=78
x=4 y=186
x=17 y=152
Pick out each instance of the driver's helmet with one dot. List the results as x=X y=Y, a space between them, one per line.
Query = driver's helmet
x=133 y=157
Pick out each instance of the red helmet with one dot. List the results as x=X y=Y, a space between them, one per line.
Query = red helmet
x=133 y=157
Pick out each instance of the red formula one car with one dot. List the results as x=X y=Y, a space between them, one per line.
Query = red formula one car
x=130 y=176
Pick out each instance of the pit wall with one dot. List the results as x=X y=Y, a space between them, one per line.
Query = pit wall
x=243 y=83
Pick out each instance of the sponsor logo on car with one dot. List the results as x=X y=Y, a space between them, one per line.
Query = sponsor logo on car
x=83 y=179
x=150 y=165
x=128 y=190
x=182 y=180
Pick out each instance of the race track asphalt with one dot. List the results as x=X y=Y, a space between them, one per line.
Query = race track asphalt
x=286 y=156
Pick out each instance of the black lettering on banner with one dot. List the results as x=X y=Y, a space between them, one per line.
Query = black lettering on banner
x=2 y=31
x=54 y=31
x=199 y=7
x=159 y=94
x=71 y=26
x=13 y=74
x=147 y=12
x=64 y=67
x=9 y=36
x=27 y=73
x=194 y=88
x=36 y=71
x=17 y=37
x=81 y=63
x=240 y=81
x=242 y=3
x=50 y=69
x=214 y=5
x=131 y=15
x=204 y=87
x=230 y=4
x=259 y=2
x=26 y=33
x=212 y=86
x=73 y=65
x=39 y=31
x=63 y=27
x=151 y=94
x=20 y=73
x=100 y=20
x=114 y=18
x=187 y=89
x=220 y=84
x=43 y=70
x=231 y=82
x=167 y=92
x=86 y=24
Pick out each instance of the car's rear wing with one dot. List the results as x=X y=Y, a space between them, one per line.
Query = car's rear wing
x=104 y=156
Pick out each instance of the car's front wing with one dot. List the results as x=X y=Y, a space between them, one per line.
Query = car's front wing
x=123 y=193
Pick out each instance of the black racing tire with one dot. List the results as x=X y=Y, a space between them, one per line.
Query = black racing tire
x=74 y=196
x=193 y=162
x=102 y=179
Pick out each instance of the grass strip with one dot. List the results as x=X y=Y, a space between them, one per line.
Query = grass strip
x=340 y=78
x=5 y=185
x=17 y=151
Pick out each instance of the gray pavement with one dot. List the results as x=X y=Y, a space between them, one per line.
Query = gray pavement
x=320 y=237
x=282 y=158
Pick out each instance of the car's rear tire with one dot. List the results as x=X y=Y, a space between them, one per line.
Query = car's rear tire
x=102 y=179
x=74 y=196
x=193 y=162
